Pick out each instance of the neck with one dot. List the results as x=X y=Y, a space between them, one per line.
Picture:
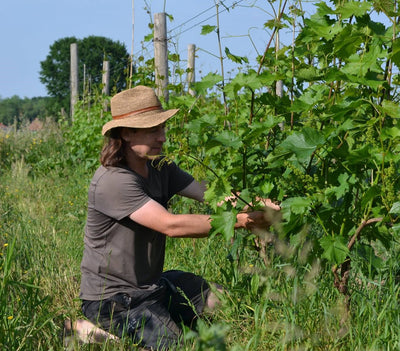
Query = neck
x=139 y=166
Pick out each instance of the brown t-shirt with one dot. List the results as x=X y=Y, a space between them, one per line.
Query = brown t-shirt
x=121 y=255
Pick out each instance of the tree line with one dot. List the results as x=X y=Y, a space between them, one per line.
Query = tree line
x=17 y=110
x=55 y=75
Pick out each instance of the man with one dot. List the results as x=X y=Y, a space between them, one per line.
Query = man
x=123 y=287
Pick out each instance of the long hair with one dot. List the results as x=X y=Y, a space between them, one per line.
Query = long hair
x=113 y=153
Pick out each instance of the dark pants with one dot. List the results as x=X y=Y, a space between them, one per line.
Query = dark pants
x=152 y=317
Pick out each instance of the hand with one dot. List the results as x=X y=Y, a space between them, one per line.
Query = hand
x=259 y=219
x=252 y=220
x=268 y=203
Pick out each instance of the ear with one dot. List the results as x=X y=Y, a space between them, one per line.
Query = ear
x=126 y=134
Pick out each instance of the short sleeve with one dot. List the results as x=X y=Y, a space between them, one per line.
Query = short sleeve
x=178 y=179
x=117 y=193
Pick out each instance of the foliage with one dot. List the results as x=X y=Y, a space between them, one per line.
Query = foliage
x=326 y=148
x=92 y=51
x=17 y=110
x=41 y=151
x=83 y=137
x=34 y=211
x=289 y=303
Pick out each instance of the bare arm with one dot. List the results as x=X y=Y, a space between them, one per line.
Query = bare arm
x=156 y=217
x=195 y=190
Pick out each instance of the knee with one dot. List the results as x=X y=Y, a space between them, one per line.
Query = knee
x=213 y=301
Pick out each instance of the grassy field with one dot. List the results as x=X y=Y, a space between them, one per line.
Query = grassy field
x=279 y=301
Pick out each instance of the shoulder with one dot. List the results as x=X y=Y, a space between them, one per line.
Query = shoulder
x=114 y=175
x=113 y=172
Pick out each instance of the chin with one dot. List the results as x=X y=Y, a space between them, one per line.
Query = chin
x=153 y=157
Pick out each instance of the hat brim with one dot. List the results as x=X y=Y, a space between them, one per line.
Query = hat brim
x=142 y=120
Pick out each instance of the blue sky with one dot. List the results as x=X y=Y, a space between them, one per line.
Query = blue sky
x=30 y=27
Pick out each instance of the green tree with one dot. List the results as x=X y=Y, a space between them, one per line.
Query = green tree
x=10 y=110
x=92 y=51
x=18 y=110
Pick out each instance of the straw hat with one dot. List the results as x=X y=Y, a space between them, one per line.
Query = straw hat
x=138 y=107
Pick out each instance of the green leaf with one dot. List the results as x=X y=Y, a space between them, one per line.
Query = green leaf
x=148 y=37
x=395 y=55
x=229 y=139
x=360 y=155
x=241 y=80
x=297 y=205
x=207 y=29
x=353 y=8
x=216 y=192
x=347 y=43
x=224 y=224
x=372 y=193
x=395 y=208
x=391 y=108
x=274 y=23
x=250 y=80
x=385 y=6
x=342 y=189
x=396 y=229
x=207 y=82
x=261 y=128
x=335 y=249
x=365 y=66
x=390 y=133
x=302 y=143
x=235 y=58
x=308 y=74
x=200 y=124
x=320 y=26
x=312 y=96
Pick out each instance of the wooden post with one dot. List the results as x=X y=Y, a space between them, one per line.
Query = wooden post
x=106 y=78
x=84 y=80
x=106 y=83
x=279 y=83
x=161 y=54
x=74 y=79
x=191 y=68
x=133 y=37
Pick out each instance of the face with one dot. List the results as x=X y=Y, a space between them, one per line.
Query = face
x=145 y=143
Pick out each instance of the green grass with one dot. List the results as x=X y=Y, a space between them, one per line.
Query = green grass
x=290 y=304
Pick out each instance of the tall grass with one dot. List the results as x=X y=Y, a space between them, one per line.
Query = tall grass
x=289 y=304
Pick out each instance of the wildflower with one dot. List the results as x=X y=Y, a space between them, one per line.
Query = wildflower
x=5 y=245
x=10 y=317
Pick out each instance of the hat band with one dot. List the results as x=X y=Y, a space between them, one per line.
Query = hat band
x=151 y=108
